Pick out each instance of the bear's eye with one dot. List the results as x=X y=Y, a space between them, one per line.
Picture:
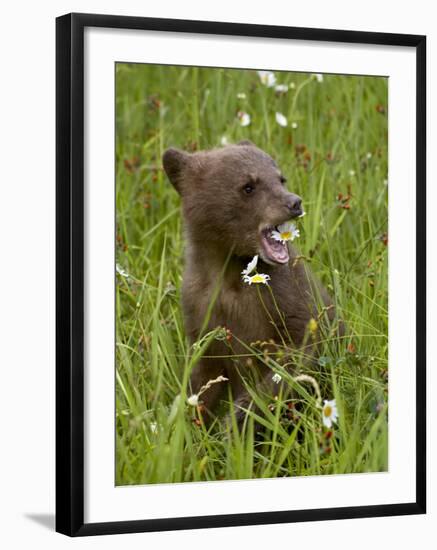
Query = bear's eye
x=248 y=188
x=283 y=180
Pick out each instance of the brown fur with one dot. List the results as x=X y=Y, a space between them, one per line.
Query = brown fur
x=222 y=225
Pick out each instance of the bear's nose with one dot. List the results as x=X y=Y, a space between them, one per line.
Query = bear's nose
x=294 y=204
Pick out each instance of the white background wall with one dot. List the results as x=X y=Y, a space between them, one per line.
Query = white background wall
x=27 y=123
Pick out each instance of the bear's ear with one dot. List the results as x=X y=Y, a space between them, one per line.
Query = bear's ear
x=175 y=161
x=246 y=142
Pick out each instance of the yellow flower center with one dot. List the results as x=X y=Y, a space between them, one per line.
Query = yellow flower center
x=286 y=235
x=257 y=278
x=327 y=411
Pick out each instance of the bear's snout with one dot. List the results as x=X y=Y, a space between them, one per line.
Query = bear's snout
x=294 y=204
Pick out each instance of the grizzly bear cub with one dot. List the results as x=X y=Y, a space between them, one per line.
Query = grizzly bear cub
x=232 y=200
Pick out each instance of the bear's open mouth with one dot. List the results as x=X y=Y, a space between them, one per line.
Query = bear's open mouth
x=273 y=251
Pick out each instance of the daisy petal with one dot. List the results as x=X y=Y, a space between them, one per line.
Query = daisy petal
x=281 y=88
x=250 y=266
x=243 y=118
x=276 y=378
x=193 y=400
x=281 y=120
x=267 y=78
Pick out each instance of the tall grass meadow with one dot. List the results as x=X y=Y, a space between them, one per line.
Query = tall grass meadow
x=328 y=134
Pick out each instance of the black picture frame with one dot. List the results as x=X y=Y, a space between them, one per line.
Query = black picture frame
x=70 y=273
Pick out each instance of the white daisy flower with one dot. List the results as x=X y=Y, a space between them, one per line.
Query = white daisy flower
x=258 y=278
x=294 y=125
x=329 y=413
x=241 y=95
x=318 y=77
x=121 y=271
x=243 y=118
x=250 y=266
x=281 y=88
x=193 y=400
x=281 y=120
x=276 y=378
x=286 y=232
x=224 y=141
x=267 y=78
x=351 y=173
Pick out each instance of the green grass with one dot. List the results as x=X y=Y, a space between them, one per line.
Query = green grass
x=336 y=159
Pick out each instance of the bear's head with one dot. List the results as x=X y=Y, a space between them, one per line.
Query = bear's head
x=233 y=198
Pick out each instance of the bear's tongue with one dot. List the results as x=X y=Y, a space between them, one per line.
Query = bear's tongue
x=275 y=251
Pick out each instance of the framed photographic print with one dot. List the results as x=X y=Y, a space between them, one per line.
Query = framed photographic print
x=240 y=274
